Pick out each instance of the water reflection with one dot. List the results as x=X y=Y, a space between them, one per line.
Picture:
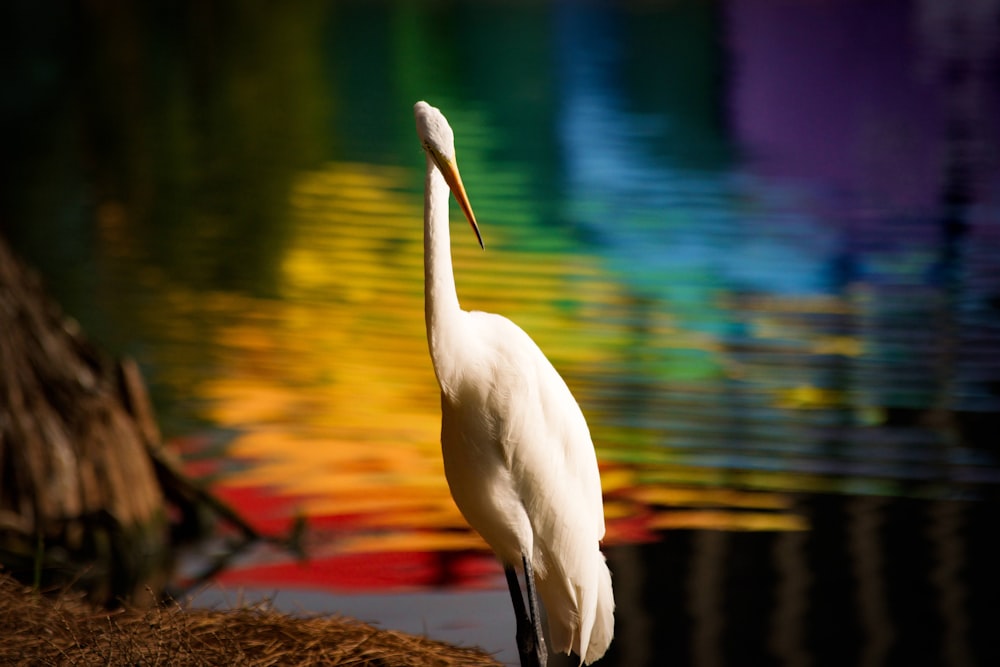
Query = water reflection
x=758 y=240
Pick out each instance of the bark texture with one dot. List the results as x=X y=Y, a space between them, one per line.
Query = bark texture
x=79 y=495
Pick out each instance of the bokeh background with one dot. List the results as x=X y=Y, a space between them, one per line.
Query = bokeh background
x=759 y=238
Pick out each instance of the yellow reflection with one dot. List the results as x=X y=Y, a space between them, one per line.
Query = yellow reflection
x=722 y=520
x=806 y=397
x=692 y=497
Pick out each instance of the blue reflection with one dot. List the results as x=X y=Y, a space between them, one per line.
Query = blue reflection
x=822 y=204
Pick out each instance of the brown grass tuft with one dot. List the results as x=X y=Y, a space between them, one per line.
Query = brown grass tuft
x=65 y=630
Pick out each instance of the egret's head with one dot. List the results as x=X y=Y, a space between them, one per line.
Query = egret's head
x=434 y=131
x=438 y=142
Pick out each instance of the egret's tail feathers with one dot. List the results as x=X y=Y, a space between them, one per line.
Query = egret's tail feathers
x=581 y=612
x=603 y=628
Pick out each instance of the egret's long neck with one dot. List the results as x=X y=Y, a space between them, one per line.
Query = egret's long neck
x=441 y=310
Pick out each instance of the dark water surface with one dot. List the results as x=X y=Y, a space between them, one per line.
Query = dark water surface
x=759 y=239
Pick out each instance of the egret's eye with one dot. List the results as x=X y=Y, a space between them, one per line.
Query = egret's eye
x=439 y=159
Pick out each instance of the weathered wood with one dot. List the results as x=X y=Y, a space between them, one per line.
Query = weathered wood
x=78 y=490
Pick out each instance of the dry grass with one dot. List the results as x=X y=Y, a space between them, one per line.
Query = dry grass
x=64 y=630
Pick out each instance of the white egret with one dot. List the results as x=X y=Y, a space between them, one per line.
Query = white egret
x=517 y=451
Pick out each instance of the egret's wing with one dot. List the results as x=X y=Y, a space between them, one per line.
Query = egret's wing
x=542 y=432
x=543 y=442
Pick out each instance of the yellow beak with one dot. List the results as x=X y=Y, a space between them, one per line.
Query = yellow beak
x=454 y=180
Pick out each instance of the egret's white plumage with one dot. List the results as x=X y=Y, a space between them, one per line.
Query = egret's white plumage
x=517 y=451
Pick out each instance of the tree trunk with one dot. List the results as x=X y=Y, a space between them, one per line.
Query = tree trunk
x=79 y=496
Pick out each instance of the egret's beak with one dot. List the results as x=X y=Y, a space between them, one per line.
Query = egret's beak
x=454 y=180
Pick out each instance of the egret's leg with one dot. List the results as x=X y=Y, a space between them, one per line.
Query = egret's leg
x=536 y=618
x=527 y=645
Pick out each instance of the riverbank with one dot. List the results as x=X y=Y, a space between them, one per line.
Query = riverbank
x=65 y=630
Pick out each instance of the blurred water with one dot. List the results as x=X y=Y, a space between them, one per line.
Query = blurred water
x=759 y=241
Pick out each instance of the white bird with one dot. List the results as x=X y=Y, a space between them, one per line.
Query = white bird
x=517 y=452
